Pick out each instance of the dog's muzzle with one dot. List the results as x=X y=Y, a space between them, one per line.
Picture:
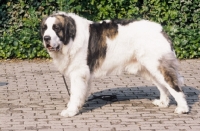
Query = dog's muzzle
x=48 y=45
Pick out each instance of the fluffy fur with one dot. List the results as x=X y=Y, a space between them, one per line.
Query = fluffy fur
x=82 y=49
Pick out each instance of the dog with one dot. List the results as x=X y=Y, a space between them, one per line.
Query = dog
x=82 y=49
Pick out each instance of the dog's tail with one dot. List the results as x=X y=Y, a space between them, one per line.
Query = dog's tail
x=169 y=68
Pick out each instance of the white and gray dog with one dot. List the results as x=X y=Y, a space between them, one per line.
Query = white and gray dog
x=83 y=49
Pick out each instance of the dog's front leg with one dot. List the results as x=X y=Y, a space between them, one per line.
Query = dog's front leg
x=79 y=88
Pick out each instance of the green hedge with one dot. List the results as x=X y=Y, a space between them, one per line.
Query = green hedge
x=20 y=21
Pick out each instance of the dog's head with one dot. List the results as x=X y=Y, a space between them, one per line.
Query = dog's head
x=57 y=30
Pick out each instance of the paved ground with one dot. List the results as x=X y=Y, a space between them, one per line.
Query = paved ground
x=32 y=94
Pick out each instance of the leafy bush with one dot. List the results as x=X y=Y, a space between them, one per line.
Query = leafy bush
x=19 y=30
x=20 y=20
x=181 y=20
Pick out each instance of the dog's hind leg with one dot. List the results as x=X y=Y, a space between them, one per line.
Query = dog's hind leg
x=172 y=81
x=135 y=68
x=166 y=74
x=79 y=89
x=175 y=90
x=164 y=95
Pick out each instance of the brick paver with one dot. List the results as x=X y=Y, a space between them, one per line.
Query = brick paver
x=32 y=94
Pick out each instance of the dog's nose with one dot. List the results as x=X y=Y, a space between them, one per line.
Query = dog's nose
x=47 y=38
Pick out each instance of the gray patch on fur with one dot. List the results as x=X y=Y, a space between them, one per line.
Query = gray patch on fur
x=169 y=68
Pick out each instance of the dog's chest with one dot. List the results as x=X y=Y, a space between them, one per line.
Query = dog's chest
x=61 y=62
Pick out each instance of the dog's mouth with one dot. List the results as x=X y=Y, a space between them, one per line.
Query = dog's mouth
x=50 y=48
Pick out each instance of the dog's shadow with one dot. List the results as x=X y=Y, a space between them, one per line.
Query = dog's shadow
x=132 y=93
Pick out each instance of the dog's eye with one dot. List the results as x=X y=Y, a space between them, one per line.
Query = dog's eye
x=56 y=28
x=44 y=27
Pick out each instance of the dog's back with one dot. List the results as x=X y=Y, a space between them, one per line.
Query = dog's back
x=132 y=45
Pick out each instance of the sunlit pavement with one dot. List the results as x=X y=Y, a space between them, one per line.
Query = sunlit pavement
x=32 y=95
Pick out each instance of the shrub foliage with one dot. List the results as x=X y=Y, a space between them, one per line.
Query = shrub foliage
x=20 y=21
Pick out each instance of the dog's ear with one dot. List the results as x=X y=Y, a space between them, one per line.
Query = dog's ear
x=72 y=27
x=42 y=26
x=69 y=29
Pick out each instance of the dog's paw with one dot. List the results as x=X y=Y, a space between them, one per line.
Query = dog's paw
x=68 y=113
x=161 y=103
x=182 y=109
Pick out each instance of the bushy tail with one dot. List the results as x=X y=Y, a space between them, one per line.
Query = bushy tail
x=169 y=68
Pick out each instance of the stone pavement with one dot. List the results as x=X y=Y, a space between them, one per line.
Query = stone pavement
x=32 y=94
